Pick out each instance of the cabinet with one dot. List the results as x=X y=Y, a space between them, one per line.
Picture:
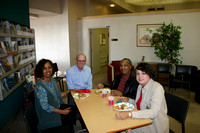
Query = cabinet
x=17 y=59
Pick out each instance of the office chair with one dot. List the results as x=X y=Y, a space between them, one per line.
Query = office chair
x=183 y=75
x=177 y=109
x=165 y=73
x=58 y=78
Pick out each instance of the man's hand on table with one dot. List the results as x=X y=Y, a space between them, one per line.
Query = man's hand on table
x=116 y=93
x=72 y=90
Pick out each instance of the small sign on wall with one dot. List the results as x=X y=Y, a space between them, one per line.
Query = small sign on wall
x=102 y=39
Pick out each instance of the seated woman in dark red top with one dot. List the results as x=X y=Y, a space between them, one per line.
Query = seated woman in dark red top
x=125 y=83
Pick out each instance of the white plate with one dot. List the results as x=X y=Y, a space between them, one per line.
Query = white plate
x=128 y=106
x=99 y=91
x=76 y=96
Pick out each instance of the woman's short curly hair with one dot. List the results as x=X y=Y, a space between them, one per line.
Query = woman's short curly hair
x=40 y=66
x=148 y=69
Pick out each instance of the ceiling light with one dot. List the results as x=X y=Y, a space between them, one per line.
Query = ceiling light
x=112 y=5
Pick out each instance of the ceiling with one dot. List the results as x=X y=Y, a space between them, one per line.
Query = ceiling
x=121 y=6
x=151 y=5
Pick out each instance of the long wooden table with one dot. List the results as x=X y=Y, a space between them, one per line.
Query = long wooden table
x=99 y=117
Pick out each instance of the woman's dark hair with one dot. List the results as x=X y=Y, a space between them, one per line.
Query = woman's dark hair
x=40 y=66
x=148 y=69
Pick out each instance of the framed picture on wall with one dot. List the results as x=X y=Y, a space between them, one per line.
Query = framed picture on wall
x=143 y=36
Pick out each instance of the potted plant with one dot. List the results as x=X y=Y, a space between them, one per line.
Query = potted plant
x=167 y=44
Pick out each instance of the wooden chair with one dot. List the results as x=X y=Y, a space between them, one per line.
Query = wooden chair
x=113 y=69
x=177 y=109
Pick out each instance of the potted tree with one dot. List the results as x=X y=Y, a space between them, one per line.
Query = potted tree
x=167 y=44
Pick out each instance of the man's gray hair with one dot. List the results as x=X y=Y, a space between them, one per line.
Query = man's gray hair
x=79 y=55
x=129 y=61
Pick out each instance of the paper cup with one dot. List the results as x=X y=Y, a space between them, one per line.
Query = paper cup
x=111 y=100
x=104 y=93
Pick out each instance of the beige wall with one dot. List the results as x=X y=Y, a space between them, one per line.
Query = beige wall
x=52 y=37
x=124 y=29
x=46 y=5
x=77 y=9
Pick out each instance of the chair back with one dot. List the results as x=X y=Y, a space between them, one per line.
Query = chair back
x=185 y=72
x=116 y=65
x=55 y=67
x=177 y=108
x=31 y=119
x=183 y=69
x=164 y=68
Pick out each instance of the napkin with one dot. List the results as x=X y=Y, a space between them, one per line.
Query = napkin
x=84 y=91
x=120 y=101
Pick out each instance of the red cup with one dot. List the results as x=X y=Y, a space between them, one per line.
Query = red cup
x=111 y=100
x=104 y=95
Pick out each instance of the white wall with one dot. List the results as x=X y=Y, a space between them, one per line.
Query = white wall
x=52 y=38
x=124 y=29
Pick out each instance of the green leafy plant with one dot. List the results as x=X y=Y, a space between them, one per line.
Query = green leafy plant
x=167 y=44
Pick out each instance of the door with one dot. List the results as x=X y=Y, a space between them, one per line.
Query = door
x=99 y=42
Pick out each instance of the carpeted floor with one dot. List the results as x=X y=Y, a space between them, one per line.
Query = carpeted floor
x=192 y=124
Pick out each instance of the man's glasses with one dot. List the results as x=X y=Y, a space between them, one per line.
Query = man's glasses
x=81 y=60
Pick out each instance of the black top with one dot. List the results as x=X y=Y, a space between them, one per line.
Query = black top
x=131 y=85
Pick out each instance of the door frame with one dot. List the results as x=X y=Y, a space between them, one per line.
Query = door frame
x=90 y=45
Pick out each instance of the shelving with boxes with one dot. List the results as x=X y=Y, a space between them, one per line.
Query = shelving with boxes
x=17 y=56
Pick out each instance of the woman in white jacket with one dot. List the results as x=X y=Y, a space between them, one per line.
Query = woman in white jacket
x=150 y=102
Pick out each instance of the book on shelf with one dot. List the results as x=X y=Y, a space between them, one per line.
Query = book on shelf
x=2 y=71
x=4 y=91
x=13 y=46
x=16 y=60
x=5 y=85
x=3 y=46
x=19 y=43
x=10 y=61
x=30 y=79
x=11 y=80
x=5 y=64
x=12 y=29
x=2 y=27
x=7 y=27
x=1 y=50
x=18 y=76
x=7 y=44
